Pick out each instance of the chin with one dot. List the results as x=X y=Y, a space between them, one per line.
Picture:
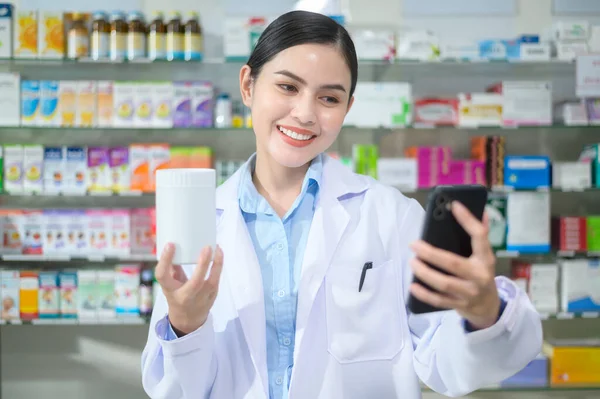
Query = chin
x=290 y=157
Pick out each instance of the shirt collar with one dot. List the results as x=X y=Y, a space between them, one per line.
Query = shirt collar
x=252 y=202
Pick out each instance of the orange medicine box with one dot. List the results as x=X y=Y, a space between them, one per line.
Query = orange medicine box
x=574 y=362
x=28 y=295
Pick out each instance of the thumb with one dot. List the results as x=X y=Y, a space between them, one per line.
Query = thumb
x=196 y=281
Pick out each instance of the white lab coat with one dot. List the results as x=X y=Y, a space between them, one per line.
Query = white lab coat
x=349 y=344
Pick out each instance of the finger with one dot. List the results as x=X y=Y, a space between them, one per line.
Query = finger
x=449 y=285
x=475 y=228
x=486 y=220
x=196 y=281
x=434 y=299
x=163 y=270
x=178 y=273
x=215 y=270
x=445 y=260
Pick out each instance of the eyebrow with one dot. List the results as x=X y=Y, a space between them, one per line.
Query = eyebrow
x=297 y=78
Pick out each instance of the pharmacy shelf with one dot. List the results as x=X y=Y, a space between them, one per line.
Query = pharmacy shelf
x=87 y=258
x=129 y=320
x=137 y=320
x=557 y=127
x=553 y=254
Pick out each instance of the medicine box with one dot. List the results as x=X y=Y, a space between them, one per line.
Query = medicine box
x=436 y=111
x=11 y=227
x=120 y=172
x=480 y=109
x=580 y=284
x=162 y=98
x=51 y=35
x=10 y=291
x=104 y=103
x=49 y=113
x=28 y=294
x=30 y=102
x=98 y=171
x=68 y=293
x=528 y=221
x=202 y=104
x=86 y=103
x=573 y=362
x=182 y=104
x=496 y=211
x=33 y=163
x=10 y=95
x=591 y=154
x=77 y=232
x=75 y=182
x=49 y=295
x=54 y=169
x=25 y=33
x=593 y=233
x=120 y=242
x=527 y=172
x=33 y=226
x=398 y=172
x=381 y=104
x=105 y=294
x=241 y=35
x=124 y=104
x=67 y=99
x=127 y=283
x=6 y=30
x=13 y=169
x=54 y=233
x=143 y=104
x=87 y=300
x=569 y=233
x=98 y=228
x=365 y=159
x=374 y=44
x=571 y=175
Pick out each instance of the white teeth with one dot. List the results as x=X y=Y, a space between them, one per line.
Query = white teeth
x=293 y=134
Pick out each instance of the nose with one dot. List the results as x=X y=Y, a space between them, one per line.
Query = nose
x=304 y=110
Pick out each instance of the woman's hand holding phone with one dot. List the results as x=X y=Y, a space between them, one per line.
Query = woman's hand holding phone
x=471 y=288
x=189 y=300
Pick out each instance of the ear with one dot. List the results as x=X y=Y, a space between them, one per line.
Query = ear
x=246 y=85
x=350 y=104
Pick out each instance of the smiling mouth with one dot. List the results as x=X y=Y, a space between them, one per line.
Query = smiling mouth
x=294 y=135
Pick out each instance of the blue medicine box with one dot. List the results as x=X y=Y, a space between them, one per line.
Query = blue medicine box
x=534 y=375
x=528 y=172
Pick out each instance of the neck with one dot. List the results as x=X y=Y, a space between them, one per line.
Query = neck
x=278 y=184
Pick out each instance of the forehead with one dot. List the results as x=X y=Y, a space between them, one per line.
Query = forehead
x=312 y=62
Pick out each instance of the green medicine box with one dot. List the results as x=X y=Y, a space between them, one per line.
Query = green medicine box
x=593 y=233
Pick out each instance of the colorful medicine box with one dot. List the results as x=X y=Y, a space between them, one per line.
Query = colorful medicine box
x=527 y=172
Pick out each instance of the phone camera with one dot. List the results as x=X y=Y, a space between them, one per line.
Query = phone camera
x=441 y=201
x=438 y=213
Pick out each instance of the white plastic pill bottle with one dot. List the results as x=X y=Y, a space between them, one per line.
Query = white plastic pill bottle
x=185 y=212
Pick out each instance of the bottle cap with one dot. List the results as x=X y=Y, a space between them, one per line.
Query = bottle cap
x=188 y=177
x=174 y=15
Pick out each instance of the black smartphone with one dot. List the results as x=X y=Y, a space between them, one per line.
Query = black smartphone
x=443 y=231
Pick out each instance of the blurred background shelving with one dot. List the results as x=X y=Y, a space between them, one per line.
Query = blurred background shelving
x=92 y=357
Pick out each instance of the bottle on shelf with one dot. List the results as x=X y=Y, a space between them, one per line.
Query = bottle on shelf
x=100 y=43
x=175 y=34
x=146 y=297
x=136 y=36
x=118 y=36
x=157 y=37
x=223 y=111
x=194 y=41
x=78 y=41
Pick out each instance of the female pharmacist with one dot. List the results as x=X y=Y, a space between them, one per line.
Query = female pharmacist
x=280 y=313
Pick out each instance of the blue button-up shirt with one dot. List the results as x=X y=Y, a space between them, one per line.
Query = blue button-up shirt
x=279 y=244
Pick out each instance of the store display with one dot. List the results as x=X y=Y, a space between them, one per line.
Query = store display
x=101 y=294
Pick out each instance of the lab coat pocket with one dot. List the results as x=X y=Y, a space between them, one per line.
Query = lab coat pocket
x=365 y=325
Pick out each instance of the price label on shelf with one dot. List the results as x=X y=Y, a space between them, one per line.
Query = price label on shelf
x=588 y=76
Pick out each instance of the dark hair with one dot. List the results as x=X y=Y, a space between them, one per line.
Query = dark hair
x=302 y=27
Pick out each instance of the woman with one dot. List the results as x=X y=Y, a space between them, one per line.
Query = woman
x=286 y=318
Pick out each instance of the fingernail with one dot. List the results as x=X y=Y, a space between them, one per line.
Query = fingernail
x=169 y=247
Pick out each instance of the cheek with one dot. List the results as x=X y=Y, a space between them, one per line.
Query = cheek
x=332 y=119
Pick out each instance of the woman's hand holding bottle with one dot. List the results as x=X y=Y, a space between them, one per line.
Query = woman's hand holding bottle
x=189 y=299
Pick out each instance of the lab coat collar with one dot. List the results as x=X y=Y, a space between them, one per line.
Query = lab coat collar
x=243 y=273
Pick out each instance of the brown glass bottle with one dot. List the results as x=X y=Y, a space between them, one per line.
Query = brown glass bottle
x=78 y=42
x=100 y=46
x=118 y=36
x=157 y=37
x=193 y=40
x=175 y=33
x=136 y=36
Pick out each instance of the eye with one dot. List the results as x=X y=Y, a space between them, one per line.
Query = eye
x=331 y=100
x=287 y=87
